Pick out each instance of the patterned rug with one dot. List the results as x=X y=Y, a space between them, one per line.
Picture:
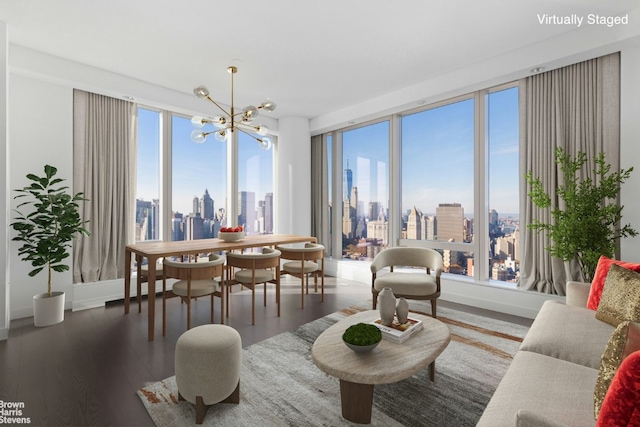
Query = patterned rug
x=281 y=386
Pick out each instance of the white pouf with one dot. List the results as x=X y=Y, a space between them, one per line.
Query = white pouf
x=207 y=365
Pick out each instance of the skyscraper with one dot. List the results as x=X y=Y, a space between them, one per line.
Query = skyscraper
x=196 y=206
x=247 y=211
x=268 y=213
x=347 y=183
x=450 y=217
x=206 y=205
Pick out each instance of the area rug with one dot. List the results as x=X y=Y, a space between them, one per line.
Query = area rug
x=281 y=386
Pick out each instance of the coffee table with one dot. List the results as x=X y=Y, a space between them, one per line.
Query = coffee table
x=387 y=363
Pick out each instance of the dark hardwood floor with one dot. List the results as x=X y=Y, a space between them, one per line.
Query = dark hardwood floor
x=86 y=370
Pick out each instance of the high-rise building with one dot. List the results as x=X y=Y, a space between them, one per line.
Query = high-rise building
x=347 y=183
x=414 y=224
x=177 y=227
x=196 y=206
x=194 y=228
x=450 y=217
x=206 y=206
x=268 y=213
x=247 y=211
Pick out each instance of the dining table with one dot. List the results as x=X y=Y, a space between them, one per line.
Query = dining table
x=155 y=250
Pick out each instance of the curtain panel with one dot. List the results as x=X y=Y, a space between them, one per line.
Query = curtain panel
x=576 y=108
x=319 y=192
x=104 y=158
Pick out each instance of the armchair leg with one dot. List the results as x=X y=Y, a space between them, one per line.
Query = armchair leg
x=375 y=298
x=433 y=308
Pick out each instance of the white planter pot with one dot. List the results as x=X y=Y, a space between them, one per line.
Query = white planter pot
x=47 y=310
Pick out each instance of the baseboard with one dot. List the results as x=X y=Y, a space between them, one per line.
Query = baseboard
x=97 y=294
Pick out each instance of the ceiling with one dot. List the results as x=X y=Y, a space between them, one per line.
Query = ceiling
x=310 y=57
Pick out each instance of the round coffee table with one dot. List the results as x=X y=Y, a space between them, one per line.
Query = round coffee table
x=387 y=363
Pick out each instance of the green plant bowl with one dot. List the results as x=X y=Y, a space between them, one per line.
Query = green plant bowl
x=362 y=337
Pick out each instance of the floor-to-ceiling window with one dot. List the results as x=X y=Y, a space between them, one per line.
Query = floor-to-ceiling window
x=438 y=179
x=365 y=191
x=148 y=183
x=503 y=165
x=454 y=187
x=255 y=187
x=194 y=178
x=198 y=181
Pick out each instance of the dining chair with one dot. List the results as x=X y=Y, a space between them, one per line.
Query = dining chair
x=303 y=262
x=410 y=285
x=195 y=279
x=255 y=268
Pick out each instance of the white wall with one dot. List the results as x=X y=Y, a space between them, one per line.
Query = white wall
x=293 y=177
x=4 y=179
x=40 y=132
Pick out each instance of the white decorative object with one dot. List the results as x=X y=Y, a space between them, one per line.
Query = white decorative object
x=48 y=310
x=402 y=310
x=387 y=303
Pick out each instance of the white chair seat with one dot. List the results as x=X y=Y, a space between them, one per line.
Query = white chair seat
x=244 y=276
x=198 y=287
x=418 y=284
x=294 y=267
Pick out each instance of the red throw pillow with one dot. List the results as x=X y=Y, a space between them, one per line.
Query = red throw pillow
x=599 y=277
x=621 y=405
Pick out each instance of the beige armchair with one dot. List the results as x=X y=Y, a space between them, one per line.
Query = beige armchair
x=408 y=284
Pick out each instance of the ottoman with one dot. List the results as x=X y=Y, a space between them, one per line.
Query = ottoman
x=207 y=366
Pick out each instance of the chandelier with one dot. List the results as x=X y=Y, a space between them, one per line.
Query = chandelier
x=231 y=120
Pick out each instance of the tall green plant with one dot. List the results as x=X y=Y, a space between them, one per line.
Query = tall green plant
x=588 y=225
x=52 y=222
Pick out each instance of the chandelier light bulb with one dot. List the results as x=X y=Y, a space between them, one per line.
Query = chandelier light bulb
x=268 y=105
x=197 y=121
x=201 y=92
x=249 y=113
x=221 y=135
x=265 y=143
x=198 y=136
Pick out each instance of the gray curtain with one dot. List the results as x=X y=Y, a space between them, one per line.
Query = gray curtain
x=576 y=108
x=104 y=150
x=319 y=192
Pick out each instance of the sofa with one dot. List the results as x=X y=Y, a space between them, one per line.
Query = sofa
x=552 y=377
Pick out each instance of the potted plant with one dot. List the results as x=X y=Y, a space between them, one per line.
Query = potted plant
x=587 y=225
x=46 y=222
x=362 y=337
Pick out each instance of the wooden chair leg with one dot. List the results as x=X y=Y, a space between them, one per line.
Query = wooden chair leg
x=265 y=294
x=139 y=293
x=253 y=305
x=375 y=299
x=433 y=308
x=201 y=410
x=302 y=290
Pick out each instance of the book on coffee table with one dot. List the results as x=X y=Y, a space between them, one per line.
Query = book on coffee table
x=399 y=332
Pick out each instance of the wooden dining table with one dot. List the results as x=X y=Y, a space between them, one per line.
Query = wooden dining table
x=153 y=251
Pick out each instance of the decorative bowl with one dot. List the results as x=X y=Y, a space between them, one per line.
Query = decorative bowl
x=361 y=348
x=231 y=236
x=362 y=337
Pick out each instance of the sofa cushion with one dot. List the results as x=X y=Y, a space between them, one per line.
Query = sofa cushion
x=620 y=297
x=621 y=404
x=624 y=341
x=525 y=418
x=569 y=333
x=600 y=275
x=560 y=390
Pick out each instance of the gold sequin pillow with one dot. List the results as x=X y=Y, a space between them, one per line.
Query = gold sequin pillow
x=624 y=341
x=620 y=297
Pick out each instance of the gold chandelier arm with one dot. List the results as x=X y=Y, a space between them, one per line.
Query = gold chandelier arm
x=245 y=132
x=216 y=104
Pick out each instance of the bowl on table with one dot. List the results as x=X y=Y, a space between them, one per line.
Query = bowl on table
x=231 y=236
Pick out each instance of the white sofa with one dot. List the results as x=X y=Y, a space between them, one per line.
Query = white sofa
x=552 y=378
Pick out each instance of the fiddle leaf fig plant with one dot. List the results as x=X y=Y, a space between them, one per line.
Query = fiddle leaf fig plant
x=46 y=222
x=587 y=225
